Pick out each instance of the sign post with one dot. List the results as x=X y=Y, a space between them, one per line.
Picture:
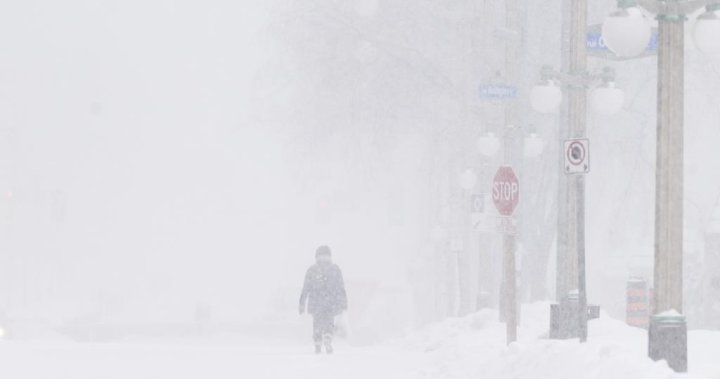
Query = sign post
x=506 y=195
x=577 y=161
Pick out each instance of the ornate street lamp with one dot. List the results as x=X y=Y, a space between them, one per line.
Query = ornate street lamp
x=546 y=96
x=707 y=30
x=606 y=98
x=626 y=31
x=667 y=334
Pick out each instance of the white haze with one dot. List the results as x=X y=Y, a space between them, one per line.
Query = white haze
x=138 y=182
x=156 y=155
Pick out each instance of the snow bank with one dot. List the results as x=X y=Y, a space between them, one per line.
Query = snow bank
x=474 y=347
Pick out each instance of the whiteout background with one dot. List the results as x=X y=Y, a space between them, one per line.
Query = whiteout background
x=157 y=156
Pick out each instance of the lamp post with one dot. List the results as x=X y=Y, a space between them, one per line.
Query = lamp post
x=570 y=314
x=624 y=31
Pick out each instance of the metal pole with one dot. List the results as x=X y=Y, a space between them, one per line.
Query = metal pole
x=582 y=298
x=511 y=301
x=509 y=281
x=573 y=58
x=577 y=114
x=669 y=174
x=667 y=336
x=515 y=15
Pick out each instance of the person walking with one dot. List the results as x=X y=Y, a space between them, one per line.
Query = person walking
x=324 y=292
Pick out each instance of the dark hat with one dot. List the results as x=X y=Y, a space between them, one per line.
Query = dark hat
x=323 y=250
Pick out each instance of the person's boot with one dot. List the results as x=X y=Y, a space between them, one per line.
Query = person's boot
x=327 y=341
x=318 y=348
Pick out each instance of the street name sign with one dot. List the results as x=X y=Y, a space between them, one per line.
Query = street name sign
x=596 y=45
x=497 y=91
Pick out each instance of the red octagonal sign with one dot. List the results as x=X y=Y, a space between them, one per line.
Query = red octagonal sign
x=506 y=191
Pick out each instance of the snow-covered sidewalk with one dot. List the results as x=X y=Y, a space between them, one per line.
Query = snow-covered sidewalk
x=474 y=347
x=468 y=347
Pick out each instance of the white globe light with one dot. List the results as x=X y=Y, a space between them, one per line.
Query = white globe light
x=707 y=32
x=533 y=146
x=488 y=144
x=546 y=98
x=607 y=99
x=468 y=180
x=626 y=32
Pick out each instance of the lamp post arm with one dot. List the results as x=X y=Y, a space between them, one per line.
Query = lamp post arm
x=652 y=6
x=673 y=8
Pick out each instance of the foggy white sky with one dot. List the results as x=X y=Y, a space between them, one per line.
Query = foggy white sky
x=137 y=114
x=136 y=177
x=142 y=170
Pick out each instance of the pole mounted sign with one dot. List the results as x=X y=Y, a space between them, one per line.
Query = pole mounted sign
x=497 y=91
x=477 y=203
x=506 y=190
x=596 y=47
x=577 y=156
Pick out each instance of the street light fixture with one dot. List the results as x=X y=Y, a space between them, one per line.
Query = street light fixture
x=627 y=32
x=606 y=98
x=546 y=96
x=707 y=30
x=667 y=334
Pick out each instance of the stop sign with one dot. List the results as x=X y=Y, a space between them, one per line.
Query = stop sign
x=506 y=190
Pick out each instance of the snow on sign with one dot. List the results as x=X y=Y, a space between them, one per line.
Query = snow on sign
x=505 y=190
x=577 y=156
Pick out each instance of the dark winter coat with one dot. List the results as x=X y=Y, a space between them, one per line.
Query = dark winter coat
x=324 y=290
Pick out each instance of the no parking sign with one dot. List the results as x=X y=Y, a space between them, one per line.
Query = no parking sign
x=577 y=156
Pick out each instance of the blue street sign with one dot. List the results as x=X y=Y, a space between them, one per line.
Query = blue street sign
x=596 y=45
x=497 y=91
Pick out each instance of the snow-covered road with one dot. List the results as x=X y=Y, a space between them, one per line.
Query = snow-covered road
x=19 y=360
x=468 y=347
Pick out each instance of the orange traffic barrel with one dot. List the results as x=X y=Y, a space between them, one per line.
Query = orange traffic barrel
x=637 y=303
